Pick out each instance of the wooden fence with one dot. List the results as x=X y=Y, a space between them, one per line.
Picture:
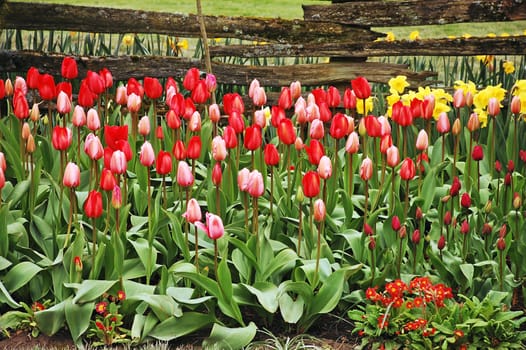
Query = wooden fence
x=340 y=30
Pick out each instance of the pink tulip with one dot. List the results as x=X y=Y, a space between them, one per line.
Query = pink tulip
x=63 y=103
x=459 y=98
x=118 y=162
x=93 y=147
x=194 y=123
x=144 y=126
x=254 y=84
x=185 y=178
x=134 y=102
x=516 y=105
x=316 y=129
x=242 y=179
x=2 y=179
x=260 y=119
x=214 y=226
x=193 y=211
x=255 y=184
x=3 y=164
x=319 y=210
x=219 y=151
x=325 y=167
x=443 y=124
x=147 y=155
x=353 y=143
x=71 y=175
x=93 y=120
x=493 y=107
x=260 y=97
x=393 y=156
x=116 y=197
x=366 y=169
x=213 y=113
x=79 y=116
x=121 y=97
x=295 y=89
x=422 y=141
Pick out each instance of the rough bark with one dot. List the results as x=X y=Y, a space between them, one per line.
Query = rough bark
x=515 y=45
x=416 y=12
x=124 y=67
x=35 y=16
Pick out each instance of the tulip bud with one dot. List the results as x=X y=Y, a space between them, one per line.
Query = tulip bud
x=501 y=244
x=395 y=223
x=402 y=232
x=300 y=197
x=473 y=122
x=185 y=178
x=486 y=229
x=459 y=98
x=366 y=169
x=465 y=200
x=147 y=154
x=515 y=105
x=511 y=166
x=393 y=156
x=419 y=215
x=30 y=144
x=503 y=230
x=325 y=167
x=457 y=127
x=116 y=197
x=255 y=184
x=422 y=141
x=493 y=106
x=372 y=243
x=298 y=144
x=447 y=218
x=319 y=210
x=193 y=211
x=217 y=175
x=488 y=207
x=443 y=123
x=367 y=229
x=464 y=227
x=517 y=201
x=477 y=154
x=415 y=237
x=441 y=242
x=93 y=120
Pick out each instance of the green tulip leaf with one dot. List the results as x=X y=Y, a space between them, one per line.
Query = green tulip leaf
x=51 y=320
x=78 y=318
x=176 y=327
x=266 y=293
x=230 y=338
x=20 y=275
x=90 y=290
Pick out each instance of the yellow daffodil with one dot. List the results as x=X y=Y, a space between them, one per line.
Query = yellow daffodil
x=368 y=106
x=519 y=87
x=451 y=37
x=414 y=35
x=466 y=35
x=483 y=117
x=398 y=84
x=467 y=87
x=389 y=36
x=508 y=66
x=183 y=44
x=127 y=39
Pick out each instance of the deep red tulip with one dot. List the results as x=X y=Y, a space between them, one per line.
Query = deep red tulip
x=69 y=68
x=200 y=93
x=314 y=152
x=395 y=223
x=93 y=204
x=163 y=164
x=428 y=107
x=71 y=176
x=415 y=237
x=20 y=105
x=107 y=180
x=235 y=120
x=61 y=138
x=311 y=184
x=464 y=227
x=511 y=166
x=455 y=187
x=367 y=229
x=501 y=244
x=465 y=200
x=172 y=120
x=447 y=218
x=271 y=155
x=416 y=107
x=191 y=78
x=152 y=88
x=229 y=134
x=134 y=87
x=179 y=150
x=349 y=99
x=277 y=115
x=252 y=137
x=339 y=126
x=361 y=88
x=233 y=102
x=46 y=87
x=320 y=95
x=401 y=114
x=441 y=244
x=286 y=132
x=373 y=126
x=2 y=89
x=95 y=82
x=477 y=153
x=407 y=169
x=32 y=78
x=194 y=148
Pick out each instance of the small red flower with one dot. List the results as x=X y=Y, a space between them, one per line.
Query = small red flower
x=101 y=307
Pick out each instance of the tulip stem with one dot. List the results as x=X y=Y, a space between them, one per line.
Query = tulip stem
x=300 y=224
x=215 y=257
x=218 y=207
x=366 y=192
x=501 y=269
x=318 y=253
x=468 y=160
x=399 y=261
x=392 y=190
x=94 y=244
x=288 y=175
x=164 y=191
x=71 y=194
x=455 y=151
x=271 y=188
x=197 y=249
x=406 y=204
x=255 y=224
x=351 y=176
x=310 y=219
x=443 y=146
x=492 y=149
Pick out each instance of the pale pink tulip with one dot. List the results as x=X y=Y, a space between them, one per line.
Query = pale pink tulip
x=147 y=155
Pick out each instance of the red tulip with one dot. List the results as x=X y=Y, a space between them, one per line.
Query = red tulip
x=235 y=120
x=339 y=126
x=366 y=169
x=511 y=166
x=361 y=88
x=455 y=187
x=93 y=147
x=428 y=107
x=46 y=87
x=441 y=244
x=113 y=134
x=93 y=204
x=277 y=115
x=107 y=78
x=152 y=88
x=407 y=169
x=64 y=86
x=194 y=148
x=147 y=154
x=163 y=164
x=200 y=93
x=401 y=114
x=95 y=82
x=501 y=244
x=271 y=155
x=349 y=99
x=416 y=107
x=86 y=97
x=71 y=176
x=415 y=238
x=286 y=132
x=134 y=87
x=373 y=126
x=464 y=227
x=21 y=108
x=229 y=134
x=2 y=179
x=69 y=68
x=253 y=138
x=314 y=152
x=172 y=120
x=233 y=102
x=311 y=184
x=465 y=200
x=385 y=142
x=325 y=112
x=193 y=211
x=185 y=178
x=217 y=174
x=333 y=97
x=320 y=95
x=179 y=150
x=285 y=98
x=2 y=89
x=107 y=180
x=477 y=153
x=61 y=138
x=191 y=78
x=395 y=223
x=32 y=78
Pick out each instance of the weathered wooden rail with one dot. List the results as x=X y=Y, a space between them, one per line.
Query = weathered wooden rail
x=339 y=30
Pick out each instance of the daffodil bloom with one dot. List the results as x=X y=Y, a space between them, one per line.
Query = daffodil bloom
x=183 y=44
x=368 y=106
x=414 y=35
x=398 y=84
x=389 y=36
x=467 y=87
x=508 y=67
x=127 y=39
x=466 y=35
